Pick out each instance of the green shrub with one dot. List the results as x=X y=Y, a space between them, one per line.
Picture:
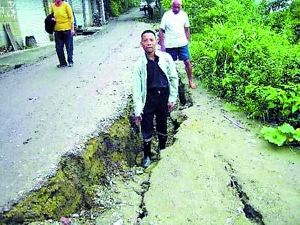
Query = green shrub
x=248 y=55
x=115 y=8
x=286 y=20
x=134 y=3
x=119 y=6
x=284 y=134
x=124 y=5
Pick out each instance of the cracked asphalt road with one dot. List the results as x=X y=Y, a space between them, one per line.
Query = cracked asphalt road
x=46 y=111
x=218 y=173
x=214 y=173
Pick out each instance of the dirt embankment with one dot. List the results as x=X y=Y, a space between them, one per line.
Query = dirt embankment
x=215 y=172
x=220 y=173
x=48 y=113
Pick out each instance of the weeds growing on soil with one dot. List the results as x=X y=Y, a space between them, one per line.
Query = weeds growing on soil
x=249 y=54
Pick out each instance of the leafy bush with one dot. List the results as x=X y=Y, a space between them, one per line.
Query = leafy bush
x=248 y=55
x=281 y=135
x=283 y=17
x=134 y=3
x=115 y=8
x=119 y=6
x=241 y=66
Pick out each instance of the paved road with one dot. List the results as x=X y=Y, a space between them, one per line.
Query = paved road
x=218 y=173
x=215 y=173
x=46 y=111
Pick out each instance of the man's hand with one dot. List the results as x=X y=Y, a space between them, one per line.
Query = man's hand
x=187 y=33
x=171 y=106
x=161 y=35
x=138 y=120
x=72 y=30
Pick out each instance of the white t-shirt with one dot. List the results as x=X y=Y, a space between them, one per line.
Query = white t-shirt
x=174 y=25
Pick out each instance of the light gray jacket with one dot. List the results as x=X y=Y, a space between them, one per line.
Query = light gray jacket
x=167 y=65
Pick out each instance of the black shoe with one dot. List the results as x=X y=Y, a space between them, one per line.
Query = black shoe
x=61 y=65
x=162 y=140
x=70 y=65
x=159 y=150
x=146 y=162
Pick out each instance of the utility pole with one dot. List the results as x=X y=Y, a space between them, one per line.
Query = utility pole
x=102 y=11
x=46 y=7
x=84 y=12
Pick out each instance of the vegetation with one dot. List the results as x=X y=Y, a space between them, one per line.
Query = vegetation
x=249 y=54
x=119 y=6
x=281 y=135
x=79 y=173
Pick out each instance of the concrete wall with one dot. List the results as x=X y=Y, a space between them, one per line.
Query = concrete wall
x=26 y=18
x=8 y=14
x=31 y=15
x=89 y=12
x=83 y=10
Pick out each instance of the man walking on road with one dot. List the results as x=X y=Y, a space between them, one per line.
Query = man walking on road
x=174 y=36
x=155 y=87
x=64 y=28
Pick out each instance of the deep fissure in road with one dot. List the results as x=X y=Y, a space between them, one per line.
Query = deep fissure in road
x=248 y=209
x=185 y=101
x=69 y=188
x=143 y=210
x=250 y=212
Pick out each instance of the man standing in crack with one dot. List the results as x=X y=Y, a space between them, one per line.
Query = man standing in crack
x=155 y=88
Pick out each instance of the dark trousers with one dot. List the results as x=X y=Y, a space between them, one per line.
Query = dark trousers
x=62 y=39
x=70 y=49
x=156 y=105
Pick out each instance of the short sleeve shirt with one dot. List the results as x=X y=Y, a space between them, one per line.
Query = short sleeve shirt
x=174 y=25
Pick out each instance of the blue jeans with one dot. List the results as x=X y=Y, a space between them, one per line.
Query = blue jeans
x=62 y=39
x=70 y=51
x=181 y=53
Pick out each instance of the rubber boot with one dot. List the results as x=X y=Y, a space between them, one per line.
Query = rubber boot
x=181 y=93
x=147 y=154
x=162 y=140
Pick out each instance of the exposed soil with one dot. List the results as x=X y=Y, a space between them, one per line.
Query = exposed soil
x=47 y=112
x=215 y=172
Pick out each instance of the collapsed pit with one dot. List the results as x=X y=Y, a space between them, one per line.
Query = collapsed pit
x=70 y=188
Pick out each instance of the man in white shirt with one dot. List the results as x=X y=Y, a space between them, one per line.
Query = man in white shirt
x=174 y=35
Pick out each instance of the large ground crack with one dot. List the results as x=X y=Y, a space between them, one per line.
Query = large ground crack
x=250 y=212
x=173 y=126
x=142 y=207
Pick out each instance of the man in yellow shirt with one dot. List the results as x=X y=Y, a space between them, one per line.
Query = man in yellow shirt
x=64 y=29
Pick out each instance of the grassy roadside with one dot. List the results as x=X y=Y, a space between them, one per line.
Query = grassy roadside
x=220 y=173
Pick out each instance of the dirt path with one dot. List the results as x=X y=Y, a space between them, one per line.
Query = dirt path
x=217 y=173
x=46 y=112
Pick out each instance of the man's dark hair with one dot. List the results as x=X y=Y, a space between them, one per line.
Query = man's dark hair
x=148 y=31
